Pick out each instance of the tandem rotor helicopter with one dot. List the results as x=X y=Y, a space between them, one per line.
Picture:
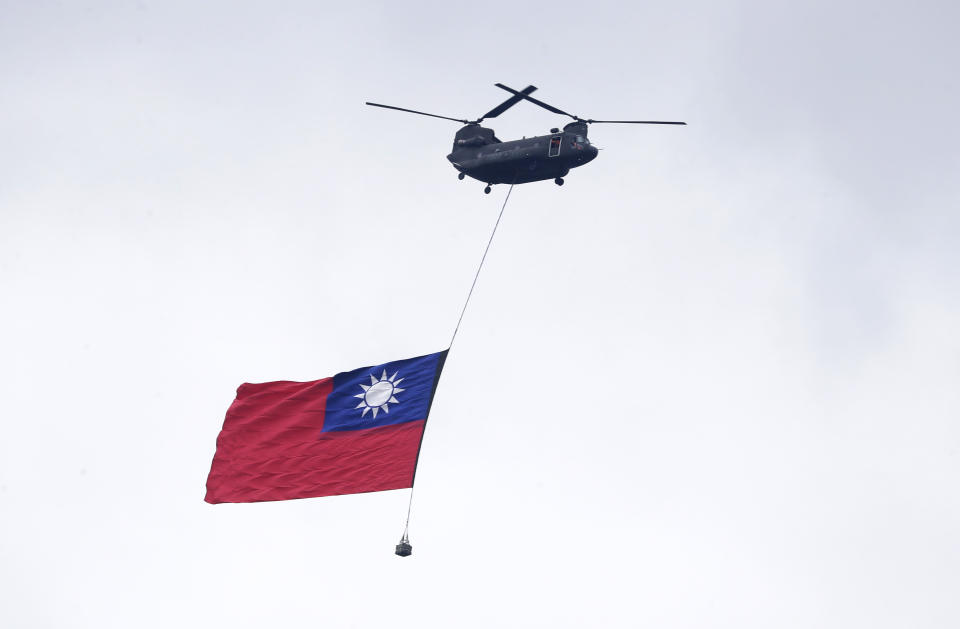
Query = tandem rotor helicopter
x=479 y=154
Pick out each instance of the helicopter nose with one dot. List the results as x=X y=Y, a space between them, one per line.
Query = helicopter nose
x=589 y=153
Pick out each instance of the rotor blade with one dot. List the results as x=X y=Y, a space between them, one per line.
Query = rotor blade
x=422 y=113
x=634 y=122
x=507 y=104
x=535 y=101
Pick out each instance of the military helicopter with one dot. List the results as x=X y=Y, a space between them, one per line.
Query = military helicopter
x=479 y=154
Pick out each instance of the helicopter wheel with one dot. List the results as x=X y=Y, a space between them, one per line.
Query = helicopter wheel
x=461 y=176
x=487 y=190
x=558 y=181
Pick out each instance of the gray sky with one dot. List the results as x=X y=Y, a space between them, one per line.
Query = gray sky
x=710 y=382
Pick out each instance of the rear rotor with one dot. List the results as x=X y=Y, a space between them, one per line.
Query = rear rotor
x=493 y=113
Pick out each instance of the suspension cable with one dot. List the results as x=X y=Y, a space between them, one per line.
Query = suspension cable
x=406 y=527
x=482 y=260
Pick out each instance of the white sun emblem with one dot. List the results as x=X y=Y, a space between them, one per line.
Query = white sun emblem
x=378 y=395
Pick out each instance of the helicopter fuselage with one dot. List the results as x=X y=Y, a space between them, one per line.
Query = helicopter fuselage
x=477 y=153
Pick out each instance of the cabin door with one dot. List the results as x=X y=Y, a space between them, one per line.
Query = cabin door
x=554 y=146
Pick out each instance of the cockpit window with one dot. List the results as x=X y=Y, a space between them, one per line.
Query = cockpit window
x=582 y=140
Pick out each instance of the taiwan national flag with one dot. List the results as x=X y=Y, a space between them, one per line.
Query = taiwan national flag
x=358 y=431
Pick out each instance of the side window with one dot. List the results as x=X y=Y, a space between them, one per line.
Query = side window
x=554 y=146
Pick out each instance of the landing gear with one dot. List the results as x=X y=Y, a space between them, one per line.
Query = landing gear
x=487 y=190
x=461 y=176
x=558 y=181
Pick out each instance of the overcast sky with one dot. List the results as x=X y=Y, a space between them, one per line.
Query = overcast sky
x=710 y=382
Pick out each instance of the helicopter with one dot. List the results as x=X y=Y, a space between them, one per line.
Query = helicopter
x=479 y=154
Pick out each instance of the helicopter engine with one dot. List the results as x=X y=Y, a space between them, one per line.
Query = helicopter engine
x=473 y=135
